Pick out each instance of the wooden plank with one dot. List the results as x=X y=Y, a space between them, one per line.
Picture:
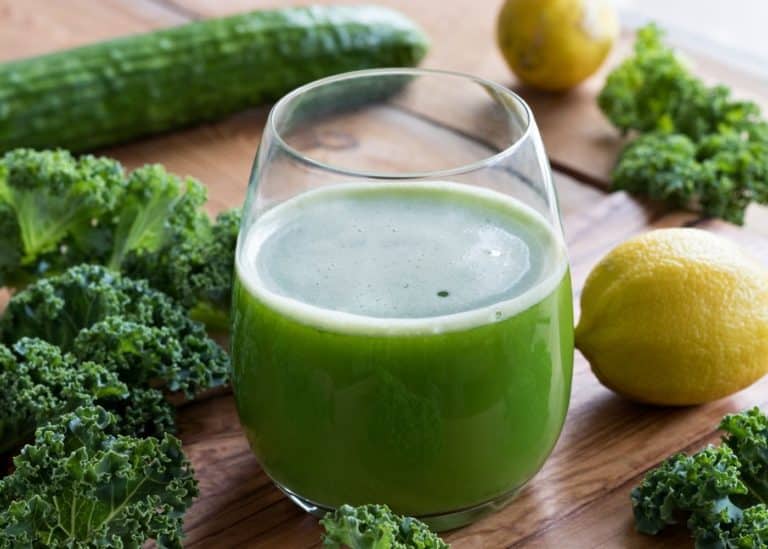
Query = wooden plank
x=34 y=27
x=220 y=154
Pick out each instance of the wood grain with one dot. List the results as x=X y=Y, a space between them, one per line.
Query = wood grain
x=580 y=498
x=34 y=27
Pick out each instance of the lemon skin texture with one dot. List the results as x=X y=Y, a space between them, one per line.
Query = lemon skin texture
x=675 y=317
x=555 y=44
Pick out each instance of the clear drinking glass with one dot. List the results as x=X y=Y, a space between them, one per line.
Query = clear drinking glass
x=402 y=326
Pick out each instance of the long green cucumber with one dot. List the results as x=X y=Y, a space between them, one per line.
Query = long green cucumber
x=111 y=92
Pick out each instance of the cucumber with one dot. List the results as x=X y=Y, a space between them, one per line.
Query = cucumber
x=111 y=92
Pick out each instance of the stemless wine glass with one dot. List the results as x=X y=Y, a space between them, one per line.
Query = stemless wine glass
x=402 y=325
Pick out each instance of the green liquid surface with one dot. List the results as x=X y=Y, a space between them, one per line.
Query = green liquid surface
x=408 y=344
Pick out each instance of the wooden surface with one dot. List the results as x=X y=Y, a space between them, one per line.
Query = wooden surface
x=580 y=498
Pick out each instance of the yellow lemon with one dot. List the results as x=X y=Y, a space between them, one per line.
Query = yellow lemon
x=675 y=317
x=555 y=44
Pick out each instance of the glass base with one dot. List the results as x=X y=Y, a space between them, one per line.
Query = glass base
x=438 y=522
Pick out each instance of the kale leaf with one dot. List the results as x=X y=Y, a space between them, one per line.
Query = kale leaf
x=199 y=269
x=81 y=485
x=58 y=211
x=129 y=329
x=40 y=383
x=699 y=148
x=661 y=165
x=137 y=331
x=703 y=484
x=654 y=90
x=747 y=435
x=376 y=527
x=51 y=207
x=719 y=492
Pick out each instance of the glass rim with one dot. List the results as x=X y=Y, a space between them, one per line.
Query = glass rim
x=463 y=169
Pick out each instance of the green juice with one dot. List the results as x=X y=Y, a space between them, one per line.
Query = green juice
x=402 y=343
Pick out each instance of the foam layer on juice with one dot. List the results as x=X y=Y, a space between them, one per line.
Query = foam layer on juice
x=423 y=257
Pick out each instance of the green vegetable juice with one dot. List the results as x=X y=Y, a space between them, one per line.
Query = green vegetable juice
x=402 y=343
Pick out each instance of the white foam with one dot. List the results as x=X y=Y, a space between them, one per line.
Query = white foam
x=271 y=222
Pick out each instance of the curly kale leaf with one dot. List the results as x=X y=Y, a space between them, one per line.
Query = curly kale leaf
x=653 y=90
x=211 y=276
x=703 y=483
x=145 y=357
x=662 y=166
x=721 y=491
x=156 y=211
x=141 y=335
x=51 y=209
x=746 y=434
x=138 y=353
x=80 y=485
x=640 y=93
x=735 y=173
x=376 y=527
x=135 y=330
x=40 y=383
x=196 y=271
x=57 y=211
x=163 y=235
x=750 y=531
x=702 y=149
x=145 y=412
x=720 y=175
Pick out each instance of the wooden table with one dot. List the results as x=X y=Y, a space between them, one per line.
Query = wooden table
x=580 y=498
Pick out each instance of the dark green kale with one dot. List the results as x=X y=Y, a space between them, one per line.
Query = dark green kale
x=721 y=175
x=145 y=412
x=199 y=270
x=127 y=327
x=703 y=484
x=122 y=323
x=719 y=492
x=82 y=485
x=51 y=209
x=57 y=211
x=40 y=383
x=376 y=527
x=211 y=278
x=654 y=90
x=662 y=166
x=747 y=435
x=157 y=211
x=734 y=174
x=163 y=235
x=750 y=531
x=645 y=91
x=702 y=149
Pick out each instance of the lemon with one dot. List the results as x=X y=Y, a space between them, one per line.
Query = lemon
x=555 y=44
x=675 y=317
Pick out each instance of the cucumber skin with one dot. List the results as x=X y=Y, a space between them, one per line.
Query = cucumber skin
x=115 y=91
